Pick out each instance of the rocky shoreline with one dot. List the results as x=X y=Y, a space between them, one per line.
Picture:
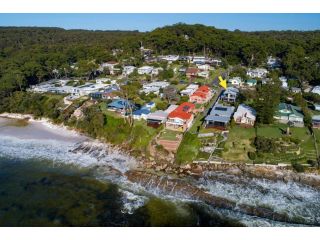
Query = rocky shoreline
x=270 y=172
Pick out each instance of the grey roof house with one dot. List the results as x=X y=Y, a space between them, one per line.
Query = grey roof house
x=219 y=116
x=230 y=95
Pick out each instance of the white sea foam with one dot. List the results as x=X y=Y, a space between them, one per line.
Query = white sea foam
x=290 y=198
x=293 y=199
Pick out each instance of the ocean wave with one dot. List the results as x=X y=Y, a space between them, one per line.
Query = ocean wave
x=296 y=200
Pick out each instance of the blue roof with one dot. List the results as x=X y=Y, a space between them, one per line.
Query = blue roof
x=141 y=111
x=120 y=104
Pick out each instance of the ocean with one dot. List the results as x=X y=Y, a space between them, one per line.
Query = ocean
x=47 y=179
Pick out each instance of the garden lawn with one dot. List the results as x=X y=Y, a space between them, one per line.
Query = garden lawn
x=169 y=135
x=238 y=144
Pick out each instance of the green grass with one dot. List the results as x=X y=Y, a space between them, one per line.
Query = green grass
x=305 y=148
x=188 y=149
x=271 y=131
x=118 y=131
x=238 y=144
x=169 y=135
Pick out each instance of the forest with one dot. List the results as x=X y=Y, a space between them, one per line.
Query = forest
x=29 y=55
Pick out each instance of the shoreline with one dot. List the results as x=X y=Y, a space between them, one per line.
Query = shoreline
x=44 y=121
x=271 y=172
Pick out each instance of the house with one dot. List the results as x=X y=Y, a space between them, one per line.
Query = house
x=204 y=67
x=216 y=62
x=219 y=116
x=121 y=105
x=273 y=62
x=182 y=70
x=181 y=118
x=192 y=72
x=316 y=107
x=296 y=90
x=127 y=70
x=230 y=95
x=170 y=58
x=189 y=90
x=204 y=74
x=251 y=82
x=316 y=121
x=316 y=90
x=288 y=113
x=154 y=87
x=109 y=94
x=245 y=115
x=257 y=73
x=150 y=105
x=202 y=95
x=156 y=71
x=141 y=114
x=284 y=82
x=145 y=70
x=159 y=117
x=236 y=81
x=183 y=58
x=86 y=89
x=199 y=59
x=103 y=80
x=109 y=65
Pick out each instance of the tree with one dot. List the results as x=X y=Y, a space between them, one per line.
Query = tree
x=267 y=101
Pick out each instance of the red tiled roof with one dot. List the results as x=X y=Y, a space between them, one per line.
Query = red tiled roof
x=199 y=94
x=203 y=88
x=179 y=114
x=202 y=91
x=183 y=111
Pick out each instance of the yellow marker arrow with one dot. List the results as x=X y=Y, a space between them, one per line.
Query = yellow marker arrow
x=222 y=83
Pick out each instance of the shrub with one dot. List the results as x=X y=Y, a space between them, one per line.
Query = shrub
x=263 y=144
x=297 y=167
x=312 y=163
x=252 y=155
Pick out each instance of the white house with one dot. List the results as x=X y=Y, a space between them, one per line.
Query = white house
x=103 y=80
x=154 y=87
x=216 y=62
x=296 y=90
x=284 y=82
x=145 y=70
x=316 y=90
x=257 y=73
x=245 y=115
x=273 y=62
x=109 y=65
x=127 y=70
x=236 y=81
x=155 y=71
x=204 y=74
x=204 y=67
x=199 y=59
x=86 y=89
x=170 y=58
x=189 y=90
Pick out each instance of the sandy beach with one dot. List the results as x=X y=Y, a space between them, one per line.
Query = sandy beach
x=32 y=128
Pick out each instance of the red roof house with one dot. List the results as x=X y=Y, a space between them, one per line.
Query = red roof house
x=192 y=72
x=181 y=118
x=202 y=95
